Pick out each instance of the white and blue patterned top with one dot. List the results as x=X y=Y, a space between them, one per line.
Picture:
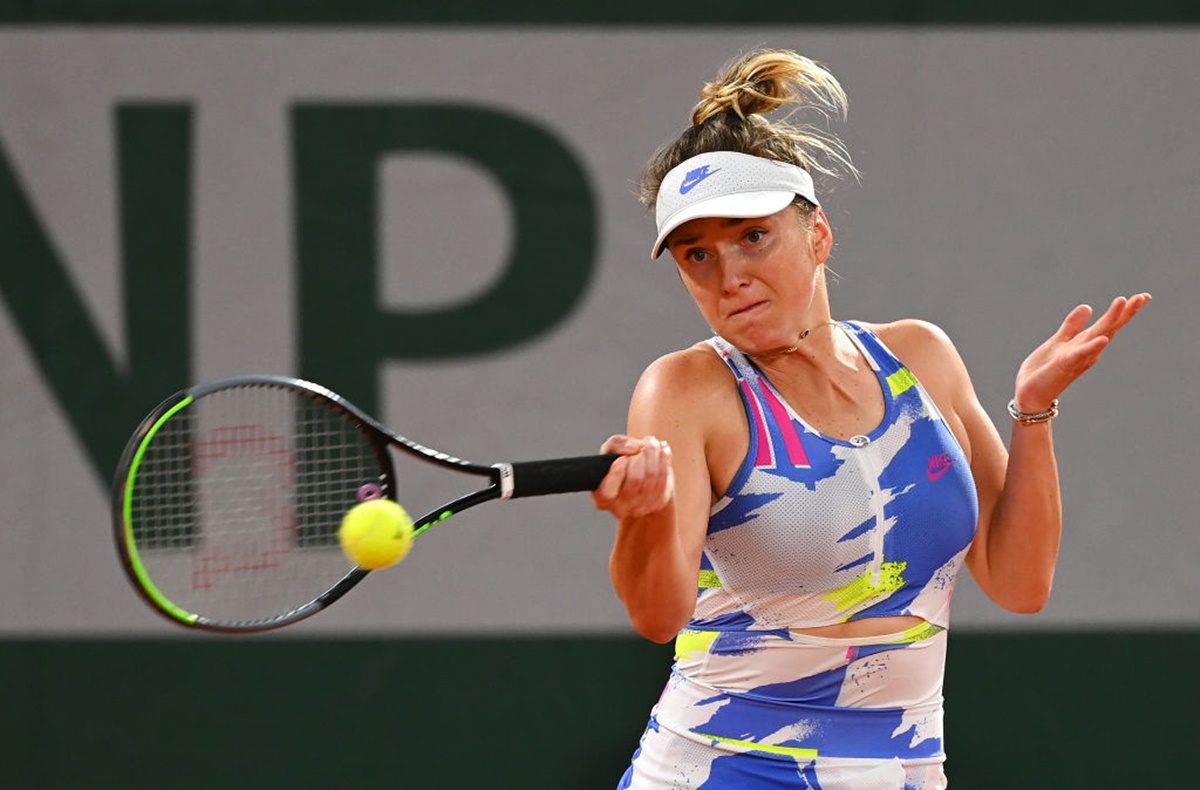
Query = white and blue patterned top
x=815 y=531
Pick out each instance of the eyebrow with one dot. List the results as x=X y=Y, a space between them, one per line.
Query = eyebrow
x=728 y=222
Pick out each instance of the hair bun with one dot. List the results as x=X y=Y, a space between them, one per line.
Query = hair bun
x=731 y=116
x=764 y=80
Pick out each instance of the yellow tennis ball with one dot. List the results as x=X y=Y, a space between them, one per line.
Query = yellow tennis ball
x=376 y=533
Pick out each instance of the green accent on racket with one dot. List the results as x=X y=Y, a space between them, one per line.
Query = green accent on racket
x=135 y=559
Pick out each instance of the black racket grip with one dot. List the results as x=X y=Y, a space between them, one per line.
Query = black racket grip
x=560 y=475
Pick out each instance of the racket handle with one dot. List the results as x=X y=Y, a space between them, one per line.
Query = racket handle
x=560 y=475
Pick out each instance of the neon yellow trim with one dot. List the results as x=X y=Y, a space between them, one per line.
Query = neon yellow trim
x=901 y=381
x=709 y=580
x=918 y=633
x=861 y=589
x=690 y=642
x=135 y=560
x=769 y=748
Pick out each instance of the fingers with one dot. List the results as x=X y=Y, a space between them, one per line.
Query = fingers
x=1073 y=349
x=1074 y=323
x=610 y=486
x=620 y=444
x=1119 y=313
x=639 y=483
x=1109 y=323
x=1122 y=310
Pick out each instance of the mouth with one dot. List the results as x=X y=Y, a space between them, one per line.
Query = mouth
x=747 y=309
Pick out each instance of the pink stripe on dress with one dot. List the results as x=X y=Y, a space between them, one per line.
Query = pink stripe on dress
x=760 y=426
x=791 y=436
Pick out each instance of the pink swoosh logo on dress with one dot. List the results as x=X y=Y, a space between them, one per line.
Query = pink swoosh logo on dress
x=939 y=465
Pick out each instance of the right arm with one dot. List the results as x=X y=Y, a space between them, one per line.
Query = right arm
x=660 y=492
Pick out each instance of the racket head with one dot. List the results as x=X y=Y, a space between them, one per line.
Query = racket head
x=228 y=498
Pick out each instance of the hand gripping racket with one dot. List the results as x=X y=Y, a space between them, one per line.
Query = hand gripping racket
x=228 y=498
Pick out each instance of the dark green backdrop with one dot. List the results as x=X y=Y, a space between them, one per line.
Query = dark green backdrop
x=614 y=12
x=1035 y=712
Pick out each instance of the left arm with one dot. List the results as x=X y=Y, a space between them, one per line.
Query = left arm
x=1016 y=546
x=1020 y=508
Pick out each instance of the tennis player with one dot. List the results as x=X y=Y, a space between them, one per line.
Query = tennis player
x=797 y=494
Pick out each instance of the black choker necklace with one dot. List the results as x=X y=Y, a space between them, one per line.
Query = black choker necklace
x=804 y=334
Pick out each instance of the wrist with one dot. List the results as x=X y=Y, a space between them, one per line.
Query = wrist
x=1032 y=418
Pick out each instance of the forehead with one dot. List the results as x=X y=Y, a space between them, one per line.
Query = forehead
x=696 y=230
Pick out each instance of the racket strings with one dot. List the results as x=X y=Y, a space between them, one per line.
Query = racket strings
x=238 y=498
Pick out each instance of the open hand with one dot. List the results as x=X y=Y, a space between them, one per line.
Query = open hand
x=1073 y=349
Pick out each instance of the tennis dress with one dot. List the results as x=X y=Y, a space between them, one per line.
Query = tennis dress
x=815 y=531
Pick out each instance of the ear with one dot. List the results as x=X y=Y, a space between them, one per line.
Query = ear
x=822 y=236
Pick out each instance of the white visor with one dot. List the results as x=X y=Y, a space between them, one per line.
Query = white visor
x=726 y=184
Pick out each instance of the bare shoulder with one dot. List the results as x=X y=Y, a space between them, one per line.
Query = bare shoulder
x=923 y=347
x=913 y=335
x=687 y=381
x=691 y=399
x=929 y=353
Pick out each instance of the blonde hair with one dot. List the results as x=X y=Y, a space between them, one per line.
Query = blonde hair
x=730 y=117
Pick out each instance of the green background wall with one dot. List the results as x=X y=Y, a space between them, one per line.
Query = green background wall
x=1036 y=712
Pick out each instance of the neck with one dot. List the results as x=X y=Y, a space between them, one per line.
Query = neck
x=813 y=347
x=804 y=335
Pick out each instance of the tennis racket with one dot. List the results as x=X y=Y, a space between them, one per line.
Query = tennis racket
x=228 y=499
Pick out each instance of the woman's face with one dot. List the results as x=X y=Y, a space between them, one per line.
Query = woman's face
x=755 y=280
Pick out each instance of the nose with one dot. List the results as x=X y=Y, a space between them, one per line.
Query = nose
x=734 y=273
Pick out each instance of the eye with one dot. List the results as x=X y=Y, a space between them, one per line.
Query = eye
x=755 y=235
x=696 y=256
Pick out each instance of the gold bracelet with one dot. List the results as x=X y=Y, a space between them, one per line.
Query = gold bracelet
x=1022 y=417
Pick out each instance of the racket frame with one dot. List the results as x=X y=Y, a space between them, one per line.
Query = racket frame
x=504 y=482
